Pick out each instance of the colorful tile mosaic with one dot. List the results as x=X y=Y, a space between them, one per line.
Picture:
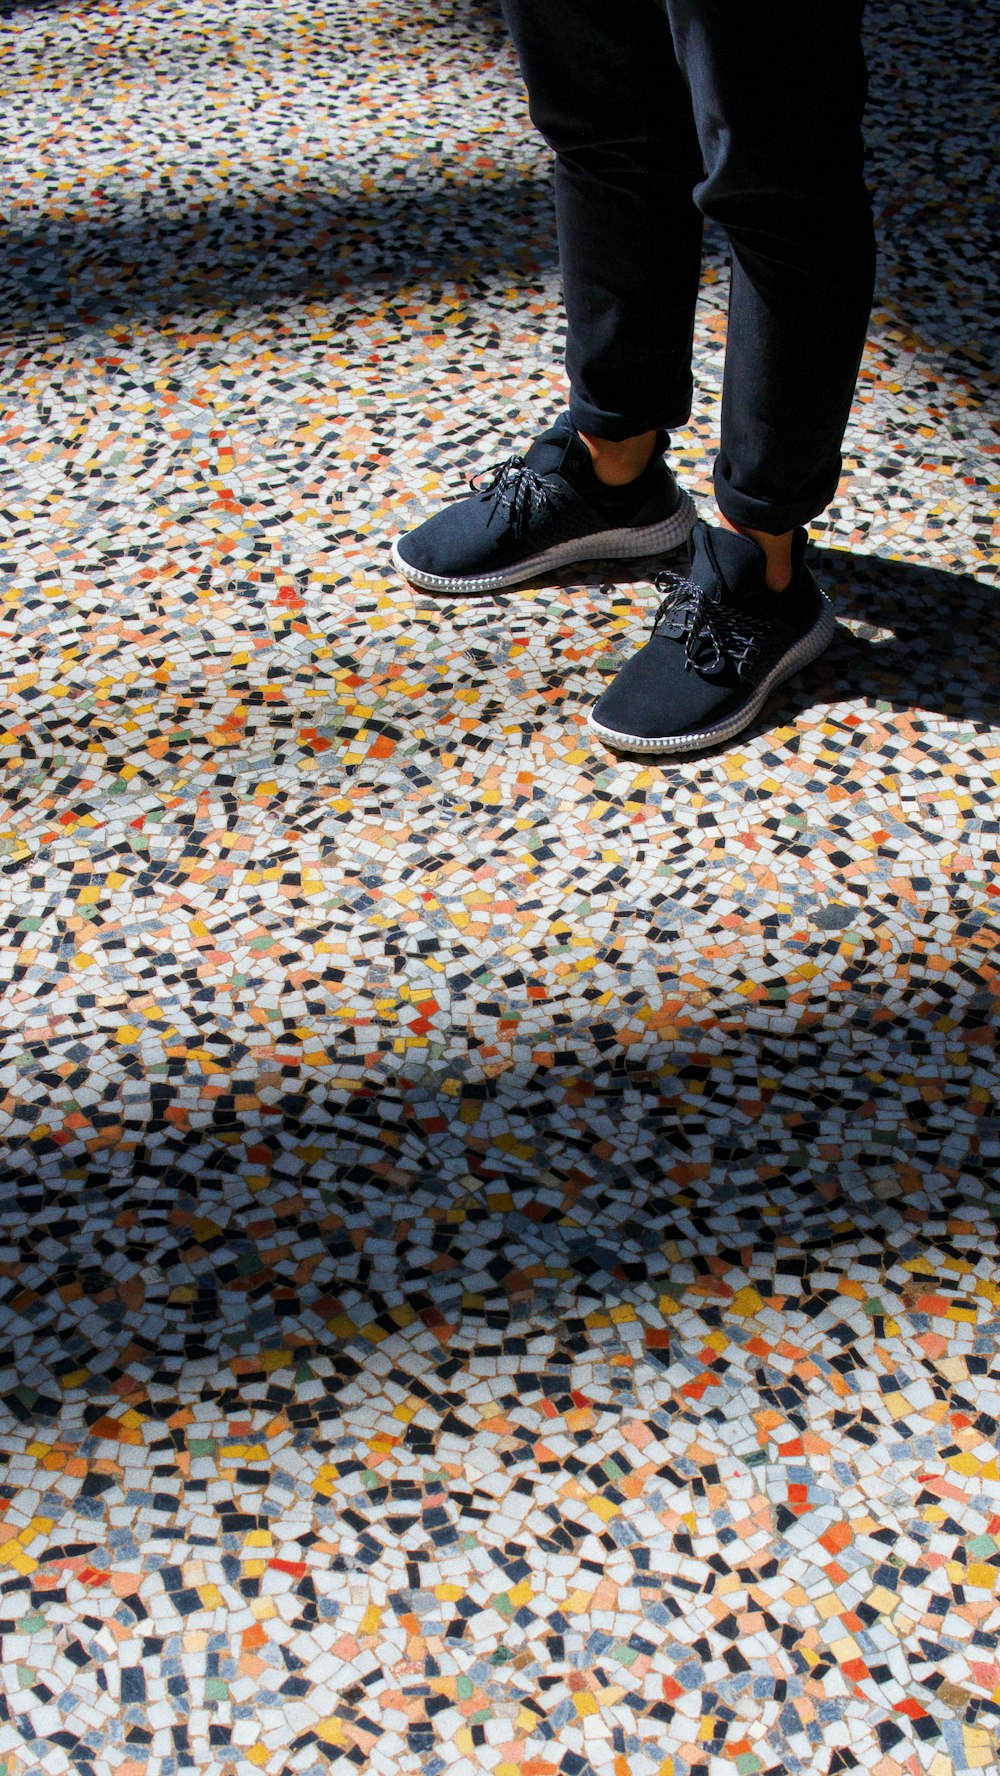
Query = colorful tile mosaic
x=498 y=1247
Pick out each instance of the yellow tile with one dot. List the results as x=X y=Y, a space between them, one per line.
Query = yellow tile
x=278 y=1359
x=604 y=1508
x=898 y=1405
x=13 y=1554
x=330 y=1730
x=964 y=1463
x=746 y=1302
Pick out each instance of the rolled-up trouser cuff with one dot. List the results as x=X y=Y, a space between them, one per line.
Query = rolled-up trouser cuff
x=601 y=423
x=771 y=516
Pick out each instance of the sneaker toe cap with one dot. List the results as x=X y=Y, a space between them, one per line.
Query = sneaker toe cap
x=453 y=544
x=654 y=698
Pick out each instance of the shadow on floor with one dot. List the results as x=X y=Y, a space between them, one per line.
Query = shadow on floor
x=933 y=178
x=922 y=640
x=930 y=184
x=245 y=251
x=942 y=656
x=697 y=1169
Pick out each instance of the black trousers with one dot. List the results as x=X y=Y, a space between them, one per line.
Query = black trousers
x=747 y=112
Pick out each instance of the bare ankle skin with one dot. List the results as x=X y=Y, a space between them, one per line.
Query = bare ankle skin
x=619 y=461
x=777 y=551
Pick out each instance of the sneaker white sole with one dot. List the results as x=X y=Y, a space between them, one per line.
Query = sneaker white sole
x=809 y=648
x=604 y=545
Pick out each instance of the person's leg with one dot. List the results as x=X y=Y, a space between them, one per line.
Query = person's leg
x=605 y=92
x=778 y=90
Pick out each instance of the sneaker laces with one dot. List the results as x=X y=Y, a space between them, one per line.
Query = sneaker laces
x=713 y=633
x=521 y=492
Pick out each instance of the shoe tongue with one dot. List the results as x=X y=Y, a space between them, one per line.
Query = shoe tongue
x=729 y=567
x=558 y=445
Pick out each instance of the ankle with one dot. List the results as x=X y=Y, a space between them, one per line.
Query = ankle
x=616 y=462
x=777 y=553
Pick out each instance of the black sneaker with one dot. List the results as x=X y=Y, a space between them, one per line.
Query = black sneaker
x=541 y=512
x=721 y=643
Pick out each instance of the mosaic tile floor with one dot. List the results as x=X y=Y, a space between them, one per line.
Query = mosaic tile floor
x=498 y=1259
